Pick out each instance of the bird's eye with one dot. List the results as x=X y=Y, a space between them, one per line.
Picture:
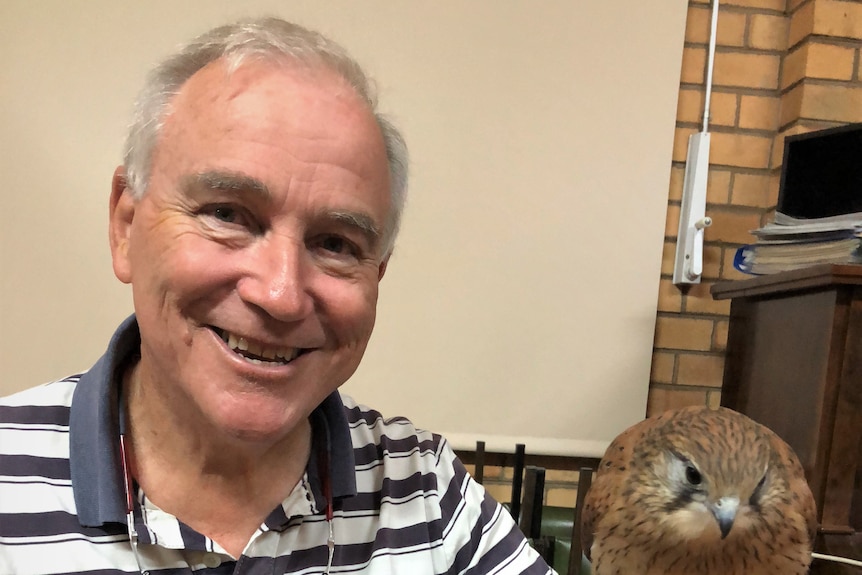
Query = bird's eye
x=692 y=475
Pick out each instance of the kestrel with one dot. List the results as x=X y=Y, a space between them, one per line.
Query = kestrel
x=698 y=491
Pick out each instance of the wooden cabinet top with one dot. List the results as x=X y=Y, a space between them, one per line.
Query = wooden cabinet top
x=797 y=280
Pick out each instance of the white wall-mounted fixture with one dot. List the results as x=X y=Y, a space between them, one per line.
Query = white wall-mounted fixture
x=688 y=265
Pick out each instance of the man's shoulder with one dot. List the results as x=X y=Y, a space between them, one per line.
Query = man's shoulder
x=367 y=422
x=48 y=403
x=34 y=450
x=395 y=437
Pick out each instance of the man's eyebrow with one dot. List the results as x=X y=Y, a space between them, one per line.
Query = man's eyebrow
x=362 y=222
x=233 y=182
x=227 y=181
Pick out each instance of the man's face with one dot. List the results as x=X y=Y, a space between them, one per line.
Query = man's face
x=255 y=253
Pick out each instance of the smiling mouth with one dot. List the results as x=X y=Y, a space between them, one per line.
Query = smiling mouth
x=256 y=353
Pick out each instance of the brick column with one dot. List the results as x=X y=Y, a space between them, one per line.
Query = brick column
x=820 y=75
x=782 y=67
x=691 y=328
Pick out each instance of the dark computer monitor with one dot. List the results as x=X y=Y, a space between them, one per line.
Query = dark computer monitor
x=822 y=173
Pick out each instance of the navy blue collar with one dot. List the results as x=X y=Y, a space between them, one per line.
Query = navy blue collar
x=94 y=448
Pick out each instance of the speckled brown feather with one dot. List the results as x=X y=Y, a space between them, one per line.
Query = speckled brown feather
x=633 y=522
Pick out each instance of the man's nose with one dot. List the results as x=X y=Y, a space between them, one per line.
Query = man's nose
x=276 y=280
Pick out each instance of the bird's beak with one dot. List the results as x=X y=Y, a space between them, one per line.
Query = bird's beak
x=724 y=511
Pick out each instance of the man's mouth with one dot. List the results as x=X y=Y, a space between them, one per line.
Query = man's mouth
x=256 y=353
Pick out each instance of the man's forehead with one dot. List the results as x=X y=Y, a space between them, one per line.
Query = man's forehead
x=225 y=79
x=271 y=97
x=261 y=126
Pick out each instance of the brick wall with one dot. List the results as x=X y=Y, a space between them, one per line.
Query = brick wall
x=782 y=67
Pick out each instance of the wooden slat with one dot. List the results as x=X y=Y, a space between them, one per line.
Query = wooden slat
x=807 y=278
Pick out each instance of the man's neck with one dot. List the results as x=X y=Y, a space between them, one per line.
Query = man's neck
x=218 y=486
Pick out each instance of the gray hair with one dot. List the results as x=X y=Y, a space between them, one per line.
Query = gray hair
x=271 y=38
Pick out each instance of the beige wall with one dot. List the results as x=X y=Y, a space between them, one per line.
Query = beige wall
x=521 y=302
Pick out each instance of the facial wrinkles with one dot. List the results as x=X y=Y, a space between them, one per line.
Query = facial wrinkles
x=312 y=184
x=286 y=236
x=300 y=277
x=148 y=223
x=309 y=215
x=341 y=155
x=250 y=107
x=308 y=196
x=246 y=151
x=181 y=243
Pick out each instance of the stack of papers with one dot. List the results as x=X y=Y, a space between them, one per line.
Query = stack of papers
x=792 y=243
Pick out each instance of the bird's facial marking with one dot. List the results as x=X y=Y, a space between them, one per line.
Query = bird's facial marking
x=700 y=505
x=757 y=494
x=685 y=503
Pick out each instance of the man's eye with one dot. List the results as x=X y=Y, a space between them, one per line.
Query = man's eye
x=337 y=246
x=231 y=215
x=334 y=244
x=225 y=214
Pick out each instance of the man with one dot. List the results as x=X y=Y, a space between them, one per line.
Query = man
x=253 y=217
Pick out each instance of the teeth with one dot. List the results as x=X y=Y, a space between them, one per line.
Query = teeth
x=252 y=348
x=281 y=355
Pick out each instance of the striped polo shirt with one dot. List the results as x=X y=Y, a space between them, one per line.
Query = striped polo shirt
x=402 y=501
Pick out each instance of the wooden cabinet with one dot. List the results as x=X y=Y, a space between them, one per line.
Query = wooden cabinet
x=794 y=363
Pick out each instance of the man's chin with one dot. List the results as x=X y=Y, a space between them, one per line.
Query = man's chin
x=256 y=420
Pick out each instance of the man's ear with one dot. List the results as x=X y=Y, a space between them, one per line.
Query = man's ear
x=122 y=212
x=382 y=268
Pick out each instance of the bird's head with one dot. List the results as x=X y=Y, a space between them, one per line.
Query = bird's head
x=703 y=495
x=708 y=472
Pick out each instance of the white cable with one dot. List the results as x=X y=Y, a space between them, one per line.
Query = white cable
x=836 y=559
x=710 y=64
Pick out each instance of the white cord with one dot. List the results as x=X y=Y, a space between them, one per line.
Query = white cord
x=330 y=543
x=709 y=65
x=844 y=560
